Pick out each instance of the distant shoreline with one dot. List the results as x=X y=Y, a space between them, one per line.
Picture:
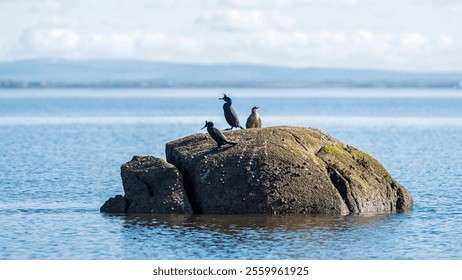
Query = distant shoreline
x=169 y=84
x=148 y=74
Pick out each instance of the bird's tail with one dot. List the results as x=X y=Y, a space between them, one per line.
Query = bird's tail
x=231 y=143
x=240 y=127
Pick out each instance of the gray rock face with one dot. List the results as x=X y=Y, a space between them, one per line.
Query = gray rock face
x=275 y=170
x=151 y=185
x=282 y=170
x=117 y=205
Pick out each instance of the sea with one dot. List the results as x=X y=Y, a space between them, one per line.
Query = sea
x=61 y=152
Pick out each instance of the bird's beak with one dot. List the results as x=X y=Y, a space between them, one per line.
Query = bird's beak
x=204 y=126
x=223 y=98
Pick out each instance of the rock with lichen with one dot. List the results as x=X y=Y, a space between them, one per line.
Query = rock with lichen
x=274 y=170
x=283 y=170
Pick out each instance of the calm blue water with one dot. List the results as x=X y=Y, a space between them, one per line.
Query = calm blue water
x=61 y=150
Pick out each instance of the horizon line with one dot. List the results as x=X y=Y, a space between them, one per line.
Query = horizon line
x=228 y=64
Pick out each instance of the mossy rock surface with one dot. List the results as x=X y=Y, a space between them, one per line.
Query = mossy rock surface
x=283 y=170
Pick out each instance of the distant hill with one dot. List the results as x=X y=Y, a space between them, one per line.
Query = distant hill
x=102 y=73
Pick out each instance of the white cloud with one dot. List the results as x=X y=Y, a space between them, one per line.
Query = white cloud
x=453 y=6
x=49 y=40
x=361 y=48
x=445 y=40
x=326 y=33
x=58 y=21
x=3 y=44
x=413 y=41
x=279 y=4
x=151 y=41
x=68 y=43
x=244 y=20
x=254 y=3
x=188 y=44
x=232 y=20
x=46 y=6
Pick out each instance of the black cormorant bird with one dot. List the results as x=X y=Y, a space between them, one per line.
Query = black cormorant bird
x=217 y=135
x=253 y=121
x=230 y=114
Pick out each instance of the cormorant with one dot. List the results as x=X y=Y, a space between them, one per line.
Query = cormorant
x=230 y=114
x=253 y=121
x=217 y=135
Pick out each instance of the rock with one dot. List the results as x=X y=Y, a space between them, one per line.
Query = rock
x=116 y=205
x=276 y=170
x=152 y=185
x=281 y=170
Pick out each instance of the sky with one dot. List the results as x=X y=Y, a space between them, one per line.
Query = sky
x=409 y=35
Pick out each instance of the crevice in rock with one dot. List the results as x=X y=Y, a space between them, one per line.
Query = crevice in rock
x=317 y=153
x=127 y=204
x=354 y=202
x=148 y=187
x=188 y=184
x=297 y=139
x=400 y=200
x=342 y=185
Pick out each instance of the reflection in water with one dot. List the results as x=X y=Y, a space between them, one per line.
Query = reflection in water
x=228 y=224
x=245 y=236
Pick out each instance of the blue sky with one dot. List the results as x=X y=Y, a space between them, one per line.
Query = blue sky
x=416 y=35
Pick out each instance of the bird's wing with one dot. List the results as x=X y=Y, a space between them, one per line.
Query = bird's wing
x=234 y=116
x=229 y=116
x=217 y=135
x=252 y=121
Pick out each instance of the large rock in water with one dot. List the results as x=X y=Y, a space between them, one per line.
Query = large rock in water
x=282 y=170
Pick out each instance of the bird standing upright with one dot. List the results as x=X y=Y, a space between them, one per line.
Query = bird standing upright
x=230 y=114
x=253 y=121
x=217 y=135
